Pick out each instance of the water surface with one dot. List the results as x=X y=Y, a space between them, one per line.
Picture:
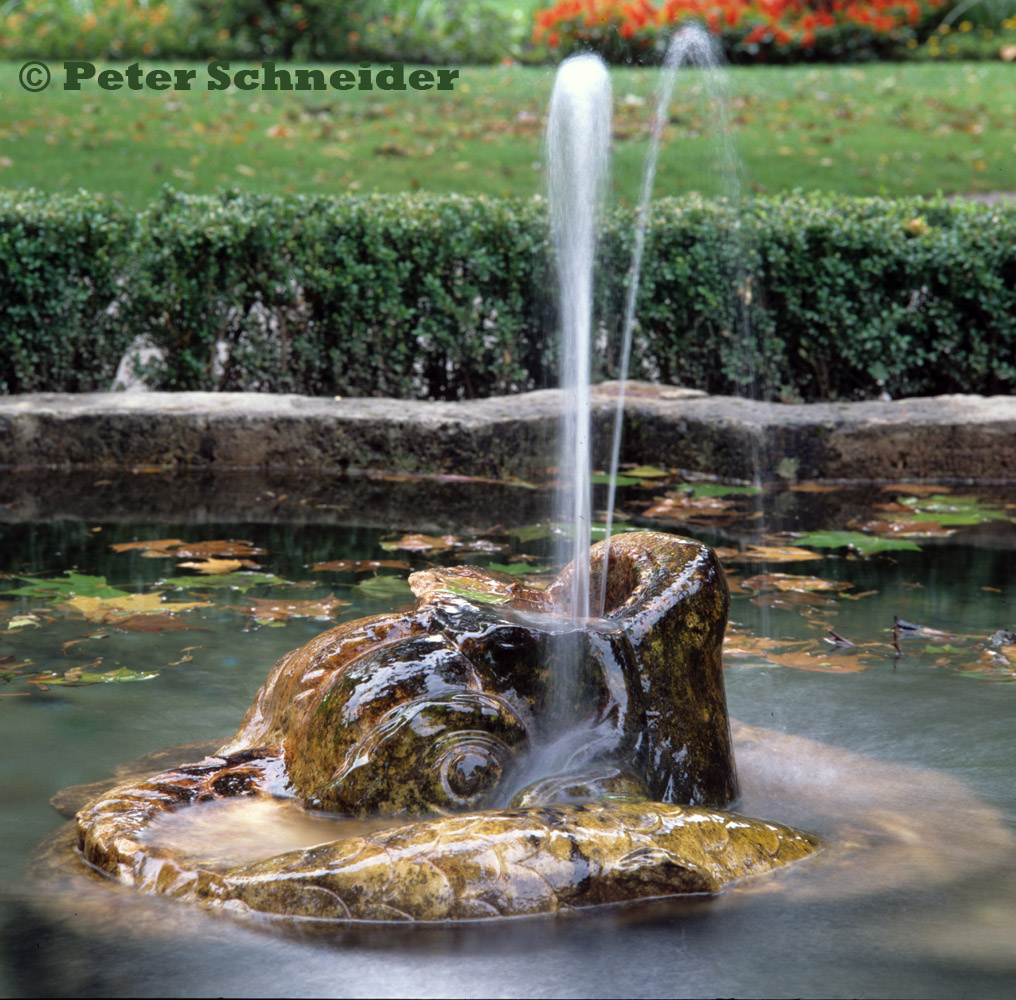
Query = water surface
x=904 y=767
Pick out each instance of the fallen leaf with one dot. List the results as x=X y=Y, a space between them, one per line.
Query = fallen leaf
x=153 y=623
x=718 y=489
x=688 y=508
x=9 y=667
x=215 y=567
x=71 y=584
x=118 y=676
x=865 y=544
x=830 y=663
x=164 y=548
x=386 y=588
x=789 y=582
x=109 y=609
x=522 y=568
x=792 y=599
x=233 y=548
x=774 y=554
x=359 y=565
x=603 y=479
x=951 y=510
x=915 y=489
x=754 y=645
x=270 y=609
x=242 y=581
x=160 y=546
x=433 y=543
x=21 y=621
x=904 y=528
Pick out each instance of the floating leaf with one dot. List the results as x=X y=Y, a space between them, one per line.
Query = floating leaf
x=359 y=565
x=109 y=609
x=518 y=568
x=9 y=667
x=21 y=621
x=913 y=528
x=789 y=582
x=166 y=548
x=533 y=532
x=433 y=543
x=234 y=581
x=230 y=548
x=865 y=544
x=386 y=588
x=953 y=510
x=792 y=599
x=69 y=585
x=915 y=489
x=773 y=554
x=603 y=479
x=646 y=472
x=688 y=509
x=719 y=489
x=827 y=663
x=270 y=609
x=79 y=676
x=214 y=567
x=155 y=622
x=158 y=546
x=754 y=645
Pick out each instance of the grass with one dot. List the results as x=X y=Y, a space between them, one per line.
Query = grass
x=896 y=129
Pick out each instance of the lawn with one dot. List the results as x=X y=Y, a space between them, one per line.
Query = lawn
x=897 y=129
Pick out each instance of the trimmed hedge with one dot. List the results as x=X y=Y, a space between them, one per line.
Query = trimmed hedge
x=62 y=288
x=802 y=297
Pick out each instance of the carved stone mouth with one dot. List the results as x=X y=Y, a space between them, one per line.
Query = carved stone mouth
x=427 y=718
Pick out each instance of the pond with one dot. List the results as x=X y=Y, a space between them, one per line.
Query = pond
x=897 y=749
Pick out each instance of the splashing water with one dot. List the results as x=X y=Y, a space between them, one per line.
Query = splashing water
x=578 y=138
x=696 y=46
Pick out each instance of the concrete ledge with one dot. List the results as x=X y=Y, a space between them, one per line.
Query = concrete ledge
x=945 y=437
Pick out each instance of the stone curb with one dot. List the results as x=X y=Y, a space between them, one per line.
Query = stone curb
x=944 y=437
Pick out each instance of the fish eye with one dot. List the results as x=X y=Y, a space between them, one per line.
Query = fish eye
x=470 y=770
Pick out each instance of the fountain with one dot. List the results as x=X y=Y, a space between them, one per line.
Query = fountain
x=447 y=720
x=422 y=726
x=423 y=719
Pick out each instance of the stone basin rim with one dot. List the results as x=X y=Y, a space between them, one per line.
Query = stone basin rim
x=922 y=438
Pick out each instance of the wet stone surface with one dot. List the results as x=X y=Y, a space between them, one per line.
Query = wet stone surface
x=430 y=719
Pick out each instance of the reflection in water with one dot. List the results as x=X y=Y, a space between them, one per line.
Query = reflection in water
x=885 y=825
x=906 y=882
x=915 y=895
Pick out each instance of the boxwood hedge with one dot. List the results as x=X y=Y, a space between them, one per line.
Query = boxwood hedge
x=801 y=297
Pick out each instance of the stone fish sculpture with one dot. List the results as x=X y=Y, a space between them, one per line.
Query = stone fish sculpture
x=430 y=716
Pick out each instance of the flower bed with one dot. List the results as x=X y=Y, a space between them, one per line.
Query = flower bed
x=748 y=30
